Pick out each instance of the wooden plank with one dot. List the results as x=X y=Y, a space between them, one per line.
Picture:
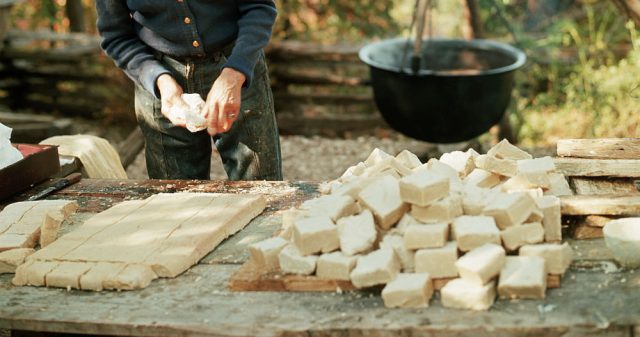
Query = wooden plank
x=584 y=232
x=291 y=50
x=290 y=123
x=622 y=205
x=199 y=304
x=600 y=185
x=583 y=167
x=598 y=220
x=248 y=278
x=553 y=281
x=607 y=148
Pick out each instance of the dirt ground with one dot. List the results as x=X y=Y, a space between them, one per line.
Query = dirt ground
x=305 y=158
x=313 y=159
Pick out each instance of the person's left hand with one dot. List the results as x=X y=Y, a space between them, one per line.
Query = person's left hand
x=223 y=101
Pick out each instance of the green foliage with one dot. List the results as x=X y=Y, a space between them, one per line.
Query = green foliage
x=588 y=90
x=332 y=21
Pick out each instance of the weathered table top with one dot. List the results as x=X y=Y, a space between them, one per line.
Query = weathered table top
x=596 y=297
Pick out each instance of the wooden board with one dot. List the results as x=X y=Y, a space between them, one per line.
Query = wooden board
x=137 y=241
x=198 y=303
x=584 y=232
x=603 y=185
x=21 y=222
x=583 y=167
x=248 y=278
x=610 y=148
x=621 y=205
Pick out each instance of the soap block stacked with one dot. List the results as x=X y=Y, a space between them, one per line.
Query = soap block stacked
x=489 y=223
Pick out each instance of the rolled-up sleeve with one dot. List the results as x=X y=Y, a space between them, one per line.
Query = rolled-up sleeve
x=254 y=31
x=121 y=43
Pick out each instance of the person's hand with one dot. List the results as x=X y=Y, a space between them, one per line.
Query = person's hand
x=171 y=100
x=223 y=101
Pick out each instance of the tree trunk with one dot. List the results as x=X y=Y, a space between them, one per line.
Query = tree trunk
x=75 y=13
x=631 y=8
x=472 y=29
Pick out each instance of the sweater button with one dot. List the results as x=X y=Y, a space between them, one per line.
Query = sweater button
x=196 y=44
x=187 y=20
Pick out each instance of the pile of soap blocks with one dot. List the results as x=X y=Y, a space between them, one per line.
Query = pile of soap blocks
x=8 y=153
x=489 y=225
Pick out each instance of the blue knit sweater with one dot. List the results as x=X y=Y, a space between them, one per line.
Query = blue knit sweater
x=132 y=29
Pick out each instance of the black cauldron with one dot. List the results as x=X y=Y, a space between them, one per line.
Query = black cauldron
x=463 y=87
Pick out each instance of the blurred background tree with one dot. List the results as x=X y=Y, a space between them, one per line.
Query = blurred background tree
x=582 y=78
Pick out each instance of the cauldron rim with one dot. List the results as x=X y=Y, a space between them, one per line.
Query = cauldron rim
x=520 y=57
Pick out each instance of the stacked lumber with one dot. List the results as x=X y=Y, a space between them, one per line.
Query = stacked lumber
x=603 y=173
x=481 y=225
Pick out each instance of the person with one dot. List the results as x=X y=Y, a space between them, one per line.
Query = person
x=215 y=49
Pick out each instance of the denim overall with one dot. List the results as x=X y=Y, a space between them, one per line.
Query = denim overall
x=250 y=150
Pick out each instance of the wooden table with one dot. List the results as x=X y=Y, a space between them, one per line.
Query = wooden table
x=596 y=298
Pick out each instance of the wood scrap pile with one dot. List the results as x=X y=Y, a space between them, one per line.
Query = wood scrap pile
x=477 y=222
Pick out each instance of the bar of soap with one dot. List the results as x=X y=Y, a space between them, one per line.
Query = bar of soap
x=423 y=187
x=462 y=162
x=293 y=262
x=378 y=267
x=536 y=170
x=11 y=259
x=382 y=198
x=523 y=277
x=463 y=294
x=471 y=231
x=557 y=256
x=552 y=221
x=481 y=264
x=335 y=206
x=50 y=226
x=357 y=233
x=482 y=178
x=408 y=159
x=426 y=236
x=516 y=236
x=265 y=253
x=438 y=262
x=335 y=266
x=475 y=199
x=510 y=209
x=504 y=149
x=376 y=156
x=437 y=167
x=408 y=291
x=503 y=167
x=396 y=243
x=443 y=210
x=403 y=223
x=559 y=185
x=315 y=234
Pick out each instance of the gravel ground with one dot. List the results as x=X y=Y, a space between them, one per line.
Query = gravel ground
x=314 y=159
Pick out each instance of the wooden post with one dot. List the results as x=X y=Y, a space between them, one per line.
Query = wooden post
x=75 y=13
x=630 y=8
x=472 y=29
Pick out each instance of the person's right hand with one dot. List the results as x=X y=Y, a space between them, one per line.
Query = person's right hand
x=171 y=99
